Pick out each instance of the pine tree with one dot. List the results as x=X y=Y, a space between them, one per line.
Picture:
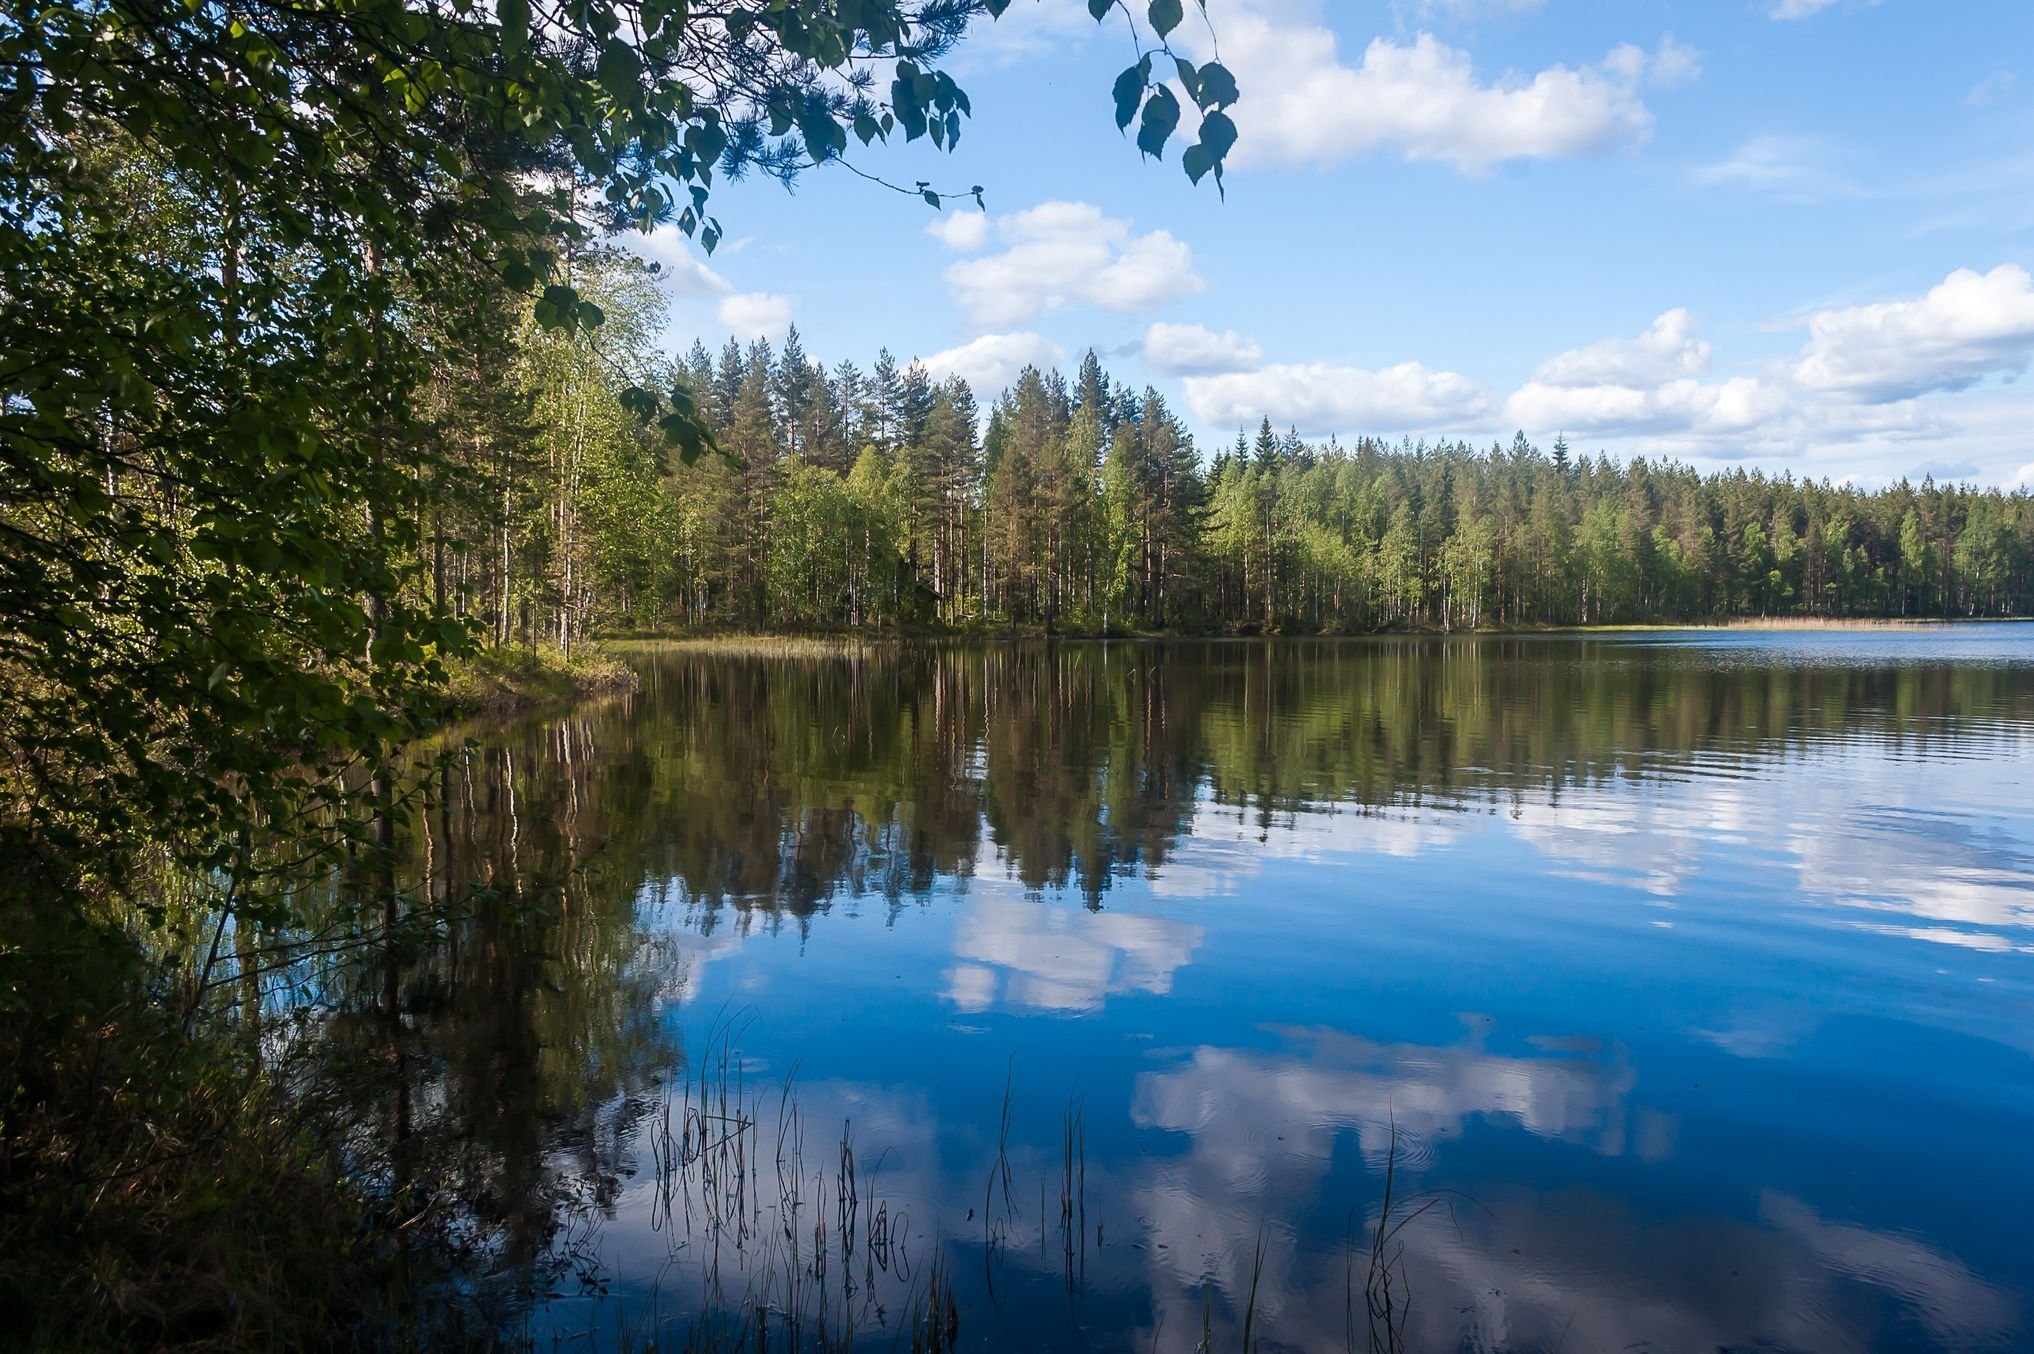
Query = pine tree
x=914 y=403
x=1092 y=393
x=727 y=383
x=953 y=463
x=752 y=439
x=1267 y=445
x=846 y=410
x=795 y=389
x=698 y=373
x=885 y=396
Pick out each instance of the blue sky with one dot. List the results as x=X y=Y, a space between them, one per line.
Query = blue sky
x=1788 y=233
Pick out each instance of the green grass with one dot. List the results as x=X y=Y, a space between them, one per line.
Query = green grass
x=761 y=645
x=1832 y=623
x=498 y=681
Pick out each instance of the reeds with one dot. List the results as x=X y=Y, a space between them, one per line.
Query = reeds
x=807 y=1257
x=1073 y=1196
x=759 y=646
x=788 y=1255
x=1387 y=1298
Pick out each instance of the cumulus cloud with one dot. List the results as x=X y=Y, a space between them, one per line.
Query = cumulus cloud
x=1015 y=954
x=756 y=315
x=684 y=273
x=1971 y=326
x=1647 y=384
x=1734 y=406
x=1318 y=398
x=1067 y=253
x=1860 y=375
x=963 y=231
x=1866 y=379
x=1665 y=352
x=1423 y=99
x=993 y=361
x=1195 y=350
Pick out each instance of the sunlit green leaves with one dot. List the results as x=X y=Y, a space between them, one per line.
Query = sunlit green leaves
x=557 y=307
x=620 y=71
x=514 y=18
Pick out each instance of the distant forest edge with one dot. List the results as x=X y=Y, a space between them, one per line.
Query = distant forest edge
x=876 y=498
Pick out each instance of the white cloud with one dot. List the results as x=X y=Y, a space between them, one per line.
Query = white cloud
x=1064 y=253
x=1422 y=99
x=754 y=315
x=964 y=231
x=1471 y=9
x=1860 y=377
x=1971 y=326
x=1792 y=168
x=1674 y=65
x=1318 y=398
x=1195 y=350
x=1325 y=1082
x=1029 y=29
x=1800 y=9
x=1020 y=954
x=993 y=361
x=2023 y=478
x=1991 y=89
x=1734 y=406
x=1665 y=352
x=1647 y=384
x=668 y=248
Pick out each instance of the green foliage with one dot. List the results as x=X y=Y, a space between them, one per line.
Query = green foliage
x=1086 y=507
x=1142 y=97
x=318 y=377
x=256 y=256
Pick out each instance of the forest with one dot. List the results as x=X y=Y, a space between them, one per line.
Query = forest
x=325 y=375
x=886 y=497
x=301 y=401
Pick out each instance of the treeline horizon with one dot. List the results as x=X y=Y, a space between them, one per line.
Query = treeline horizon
x=848 y=498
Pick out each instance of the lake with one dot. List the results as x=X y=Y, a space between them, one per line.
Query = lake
x=1661 y=991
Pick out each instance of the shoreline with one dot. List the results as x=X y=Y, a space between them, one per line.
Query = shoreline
x=819 y=644
x=507 y=681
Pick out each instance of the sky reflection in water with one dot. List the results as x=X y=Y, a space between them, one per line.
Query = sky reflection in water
x=1701 y=972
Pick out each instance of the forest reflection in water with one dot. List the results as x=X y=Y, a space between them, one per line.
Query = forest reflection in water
x=1696 y=972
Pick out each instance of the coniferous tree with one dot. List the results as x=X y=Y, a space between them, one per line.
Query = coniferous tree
x=885 y=397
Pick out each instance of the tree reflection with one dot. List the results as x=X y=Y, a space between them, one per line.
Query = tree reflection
x=497 y=1057
x=781 y=785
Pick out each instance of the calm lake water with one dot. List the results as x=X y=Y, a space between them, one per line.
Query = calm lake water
x=1663 y=992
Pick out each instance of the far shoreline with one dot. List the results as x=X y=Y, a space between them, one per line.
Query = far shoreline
x=823 y=643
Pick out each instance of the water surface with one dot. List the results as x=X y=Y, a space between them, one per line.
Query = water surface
x=1688 y=977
